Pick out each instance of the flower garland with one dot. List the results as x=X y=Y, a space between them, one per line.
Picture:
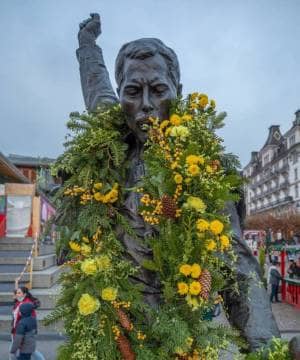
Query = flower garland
x=183 y=195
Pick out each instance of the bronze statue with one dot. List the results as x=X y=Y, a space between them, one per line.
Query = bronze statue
x=148 y=78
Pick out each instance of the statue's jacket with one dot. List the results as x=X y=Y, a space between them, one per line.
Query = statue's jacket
x=250 y=310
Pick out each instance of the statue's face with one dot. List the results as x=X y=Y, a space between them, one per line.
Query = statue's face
x=146 y=90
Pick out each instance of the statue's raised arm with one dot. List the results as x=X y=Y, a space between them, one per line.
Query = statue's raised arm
x=95 y=82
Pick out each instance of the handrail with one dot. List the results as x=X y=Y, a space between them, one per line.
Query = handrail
x=29 y=263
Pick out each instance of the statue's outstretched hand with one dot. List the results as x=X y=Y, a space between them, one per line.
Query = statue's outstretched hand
x=89 y=30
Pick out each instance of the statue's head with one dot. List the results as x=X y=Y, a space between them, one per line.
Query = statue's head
x=148 y=78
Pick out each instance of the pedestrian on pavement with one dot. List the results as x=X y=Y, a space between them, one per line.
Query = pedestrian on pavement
x=22 y=296
x=292 y=270
x=274 y=280
x=25 y=336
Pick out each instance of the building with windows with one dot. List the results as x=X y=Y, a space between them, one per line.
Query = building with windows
x=273 y=173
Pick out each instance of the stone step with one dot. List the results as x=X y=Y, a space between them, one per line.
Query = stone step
x=43 y=249
x=5 y=323
x=39 y=263
x=41 y=279
x=46 y=296
x=16 y=240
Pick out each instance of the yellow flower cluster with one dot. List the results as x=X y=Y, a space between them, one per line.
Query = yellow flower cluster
x=116 y=331
x=194 y=160
x=74 y=191
x=141 y=336
x=89 y=267
x=195 y=203
x=215 y=227
x=181 y=132
x=151 y=217
x=103 y=262
x=200 y=101
x=190 y=270
x=110 y=197
x=109 y=293
x=87 y=304
x=121 y=304
x=74 y=246
x=193 y=288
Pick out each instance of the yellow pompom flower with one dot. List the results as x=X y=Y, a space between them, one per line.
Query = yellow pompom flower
x=85 y=249
x=180 y=131
x=98 y=186
x=195 y=288
x=196 y=271
x=185 y=269
x=183 y=288
x=103 y=262
x=109 y=294
x=178 y=179
x=203 y=100
x=193 y=170
x=192 y=160
x=224 y=241
x=98 y=196
x=196 y=204
x=202 y=225
x=175 y=120
x=216 y=227
x=211 y=245
x=74 y=246
x=89 y=267
x=87 y=304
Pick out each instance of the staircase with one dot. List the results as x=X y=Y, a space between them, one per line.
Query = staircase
x=13 y=255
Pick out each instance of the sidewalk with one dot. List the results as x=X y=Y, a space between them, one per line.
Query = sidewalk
x=288 y=319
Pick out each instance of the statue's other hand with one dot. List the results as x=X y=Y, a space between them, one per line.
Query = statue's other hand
x=89 y=30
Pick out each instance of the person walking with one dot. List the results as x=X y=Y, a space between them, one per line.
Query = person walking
x=23 y=296
x=274 y=280
x=25 y=336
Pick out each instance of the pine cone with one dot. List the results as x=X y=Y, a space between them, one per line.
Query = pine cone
x=125 y=348
x=168 y=207
x=205 y=281
x=124 y=320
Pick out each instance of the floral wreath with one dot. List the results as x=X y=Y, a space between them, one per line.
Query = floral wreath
x=182 y=195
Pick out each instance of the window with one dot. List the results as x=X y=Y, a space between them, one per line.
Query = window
x=295 y=157
x=292 y=140
x=266 y=159
x=296 y=191
x=296 y=173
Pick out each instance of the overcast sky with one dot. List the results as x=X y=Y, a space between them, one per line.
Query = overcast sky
x=244 y=54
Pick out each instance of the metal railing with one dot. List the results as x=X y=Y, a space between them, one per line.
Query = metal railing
x=29 y=264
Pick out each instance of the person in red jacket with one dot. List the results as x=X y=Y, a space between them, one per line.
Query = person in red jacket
x=23 y=296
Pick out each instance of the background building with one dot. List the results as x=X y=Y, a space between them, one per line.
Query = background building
x=273 y=173
x=37 y=170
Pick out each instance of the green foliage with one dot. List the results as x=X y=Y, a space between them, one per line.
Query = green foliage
x=277 y=350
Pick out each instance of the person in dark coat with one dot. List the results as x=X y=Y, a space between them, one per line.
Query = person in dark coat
x=25 y=337
x=274 y=280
